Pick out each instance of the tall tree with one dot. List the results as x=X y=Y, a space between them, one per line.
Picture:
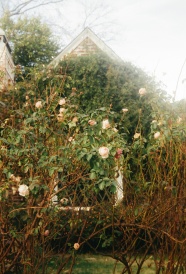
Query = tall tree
x=31 y=40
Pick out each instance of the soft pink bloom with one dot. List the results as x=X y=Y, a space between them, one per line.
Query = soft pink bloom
x=76 y=246
x=142 y=91
x=38 y=104
x=105 y=124
x=62 y=101
x=92 y=122
x=23 y=190
x=136 y=135
x=47 y=232
x=104 y=152
x=157 y=135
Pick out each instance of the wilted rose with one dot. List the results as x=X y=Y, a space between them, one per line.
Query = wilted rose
x=15 y=179
x=64 y=201
x=76 y=246
x=104 y=152
x=136 y=135
x=60 y=117
x=105 y=124
x=92 y=122
x=62 y=101
x=119 y=152
x=14 y=190
x=157 y=135
x=38 y=104
x=23 y=190
x=125 y=110
x=142 y=91
x=75 y=119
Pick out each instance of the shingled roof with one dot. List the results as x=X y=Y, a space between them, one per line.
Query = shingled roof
x=86 y=43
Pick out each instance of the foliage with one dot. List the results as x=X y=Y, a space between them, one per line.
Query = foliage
x=50 y=145
x=31 y=40
x=101 y=81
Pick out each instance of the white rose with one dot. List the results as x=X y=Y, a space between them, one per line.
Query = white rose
x=38 y=104
x=104 y=152
x=157 y=135
x=125 y=110
x=142 y=91
x=105 y=124
x=136 y=135
x=23 y=190
x=61 y=110
x=62 y=101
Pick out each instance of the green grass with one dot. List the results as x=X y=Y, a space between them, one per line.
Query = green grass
x=97 y=264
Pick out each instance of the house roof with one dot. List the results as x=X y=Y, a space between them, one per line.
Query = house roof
x=2 y=33
x=86 y=33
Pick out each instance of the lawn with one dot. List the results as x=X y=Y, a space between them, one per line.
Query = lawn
x=97 y=264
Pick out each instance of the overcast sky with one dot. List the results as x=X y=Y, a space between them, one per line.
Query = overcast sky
x=149 y=33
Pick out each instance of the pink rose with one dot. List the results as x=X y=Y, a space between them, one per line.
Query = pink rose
x=46 y=233
x=76 y=246
x=119 y=152
x=92 y=122
x=104 y=152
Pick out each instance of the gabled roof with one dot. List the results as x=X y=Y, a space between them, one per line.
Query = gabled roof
x=86 y=34
x=2 y=33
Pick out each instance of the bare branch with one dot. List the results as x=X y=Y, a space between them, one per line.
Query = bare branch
x=28 y=5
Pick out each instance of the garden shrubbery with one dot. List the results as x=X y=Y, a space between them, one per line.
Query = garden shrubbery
x=66 y=134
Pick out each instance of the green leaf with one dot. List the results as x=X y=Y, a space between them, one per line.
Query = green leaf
x=102 y=185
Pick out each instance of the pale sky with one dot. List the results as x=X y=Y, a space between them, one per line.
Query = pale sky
x=149 y=33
